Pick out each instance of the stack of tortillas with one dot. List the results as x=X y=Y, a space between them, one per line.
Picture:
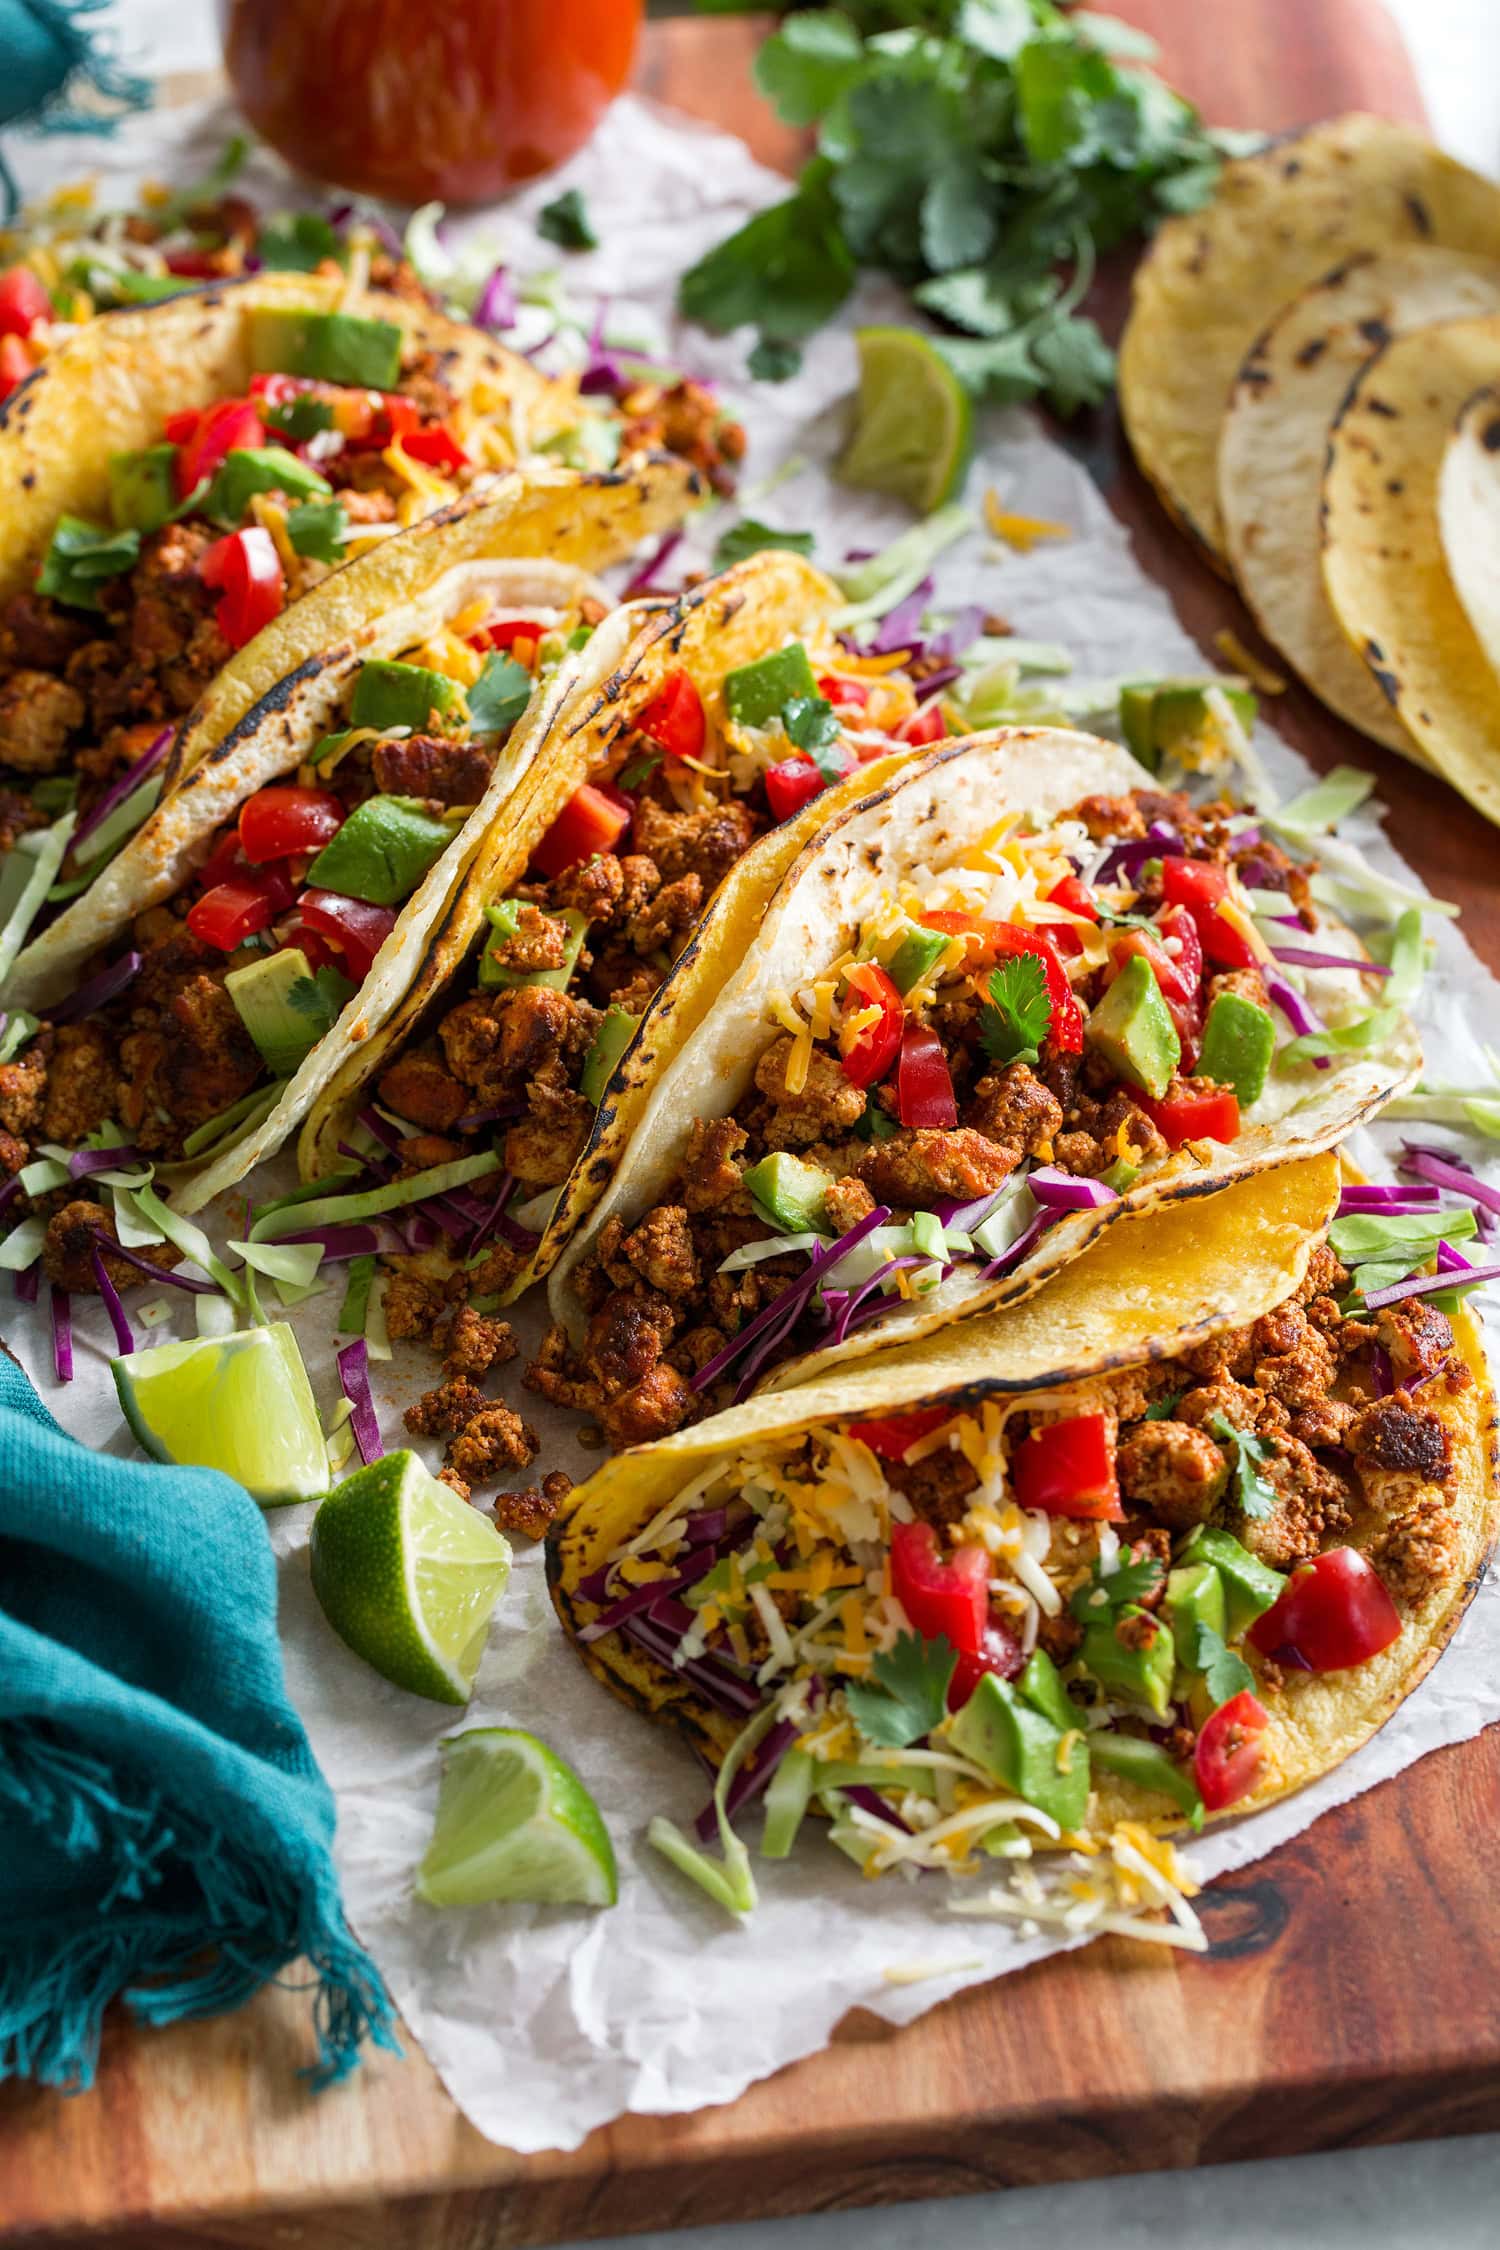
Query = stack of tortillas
x=1310 y=377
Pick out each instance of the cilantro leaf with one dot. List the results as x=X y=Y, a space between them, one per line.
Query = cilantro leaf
x=320 y=997
x=1256 y=1495
x=1015 y=1020
x=298 y=418
x=1225 y=1672
x=748 y=537
x=639 y=770
x=877 y=1124
x=80 y=556
x=565 y=221
x=298 y=242
x=803 y=67
x=1105 y=1592
x=319 y=528
x=811 y=722
x=1163 y=1409
x=499 y=695
x=912 y=1696
x=771 y=362
x=788 y=269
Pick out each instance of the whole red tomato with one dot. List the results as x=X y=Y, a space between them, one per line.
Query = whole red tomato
x=455 y=103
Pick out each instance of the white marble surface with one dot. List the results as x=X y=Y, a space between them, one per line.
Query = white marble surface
x=1444 y=2192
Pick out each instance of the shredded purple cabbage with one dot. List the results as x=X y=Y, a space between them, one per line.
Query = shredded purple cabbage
x=172 y=1279
x=354 y=1382
x=646 y=1597
x=1307 y=957
x=1430 y=1284
x=1304 y=1020
x=119 y=1319
x=26 y=1283
x=85 y=1161
x=498 y=304
x=1063 y=1191
x=62 y=1334
x=749 y=1781
x=120 y=788
x=1442 y=1170
x=642 y=580
x=1387 y=1196
x=871 y=1801
x=380 y=1130
x=340 y=1242
x=958 y=636
x=796 y=1294
x=901 y=627
x=97 y=991
x=1127 y=860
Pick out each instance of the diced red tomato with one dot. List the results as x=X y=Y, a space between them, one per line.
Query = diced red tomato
x=924 y=1084
x=16 y=363
x=867 y=1054
x=924 y=726
x=275 y=389
x=1195 y=1110
x=1002 y=941
x=891 y=1435
x=1068 y=1469
x=1183 y=946
x=593 y=820
x=505 y=633
x=224 y=860
x=437 y=446
x=370 y=420
x=945 y=1596
x=23 y=301
x=844 y=695
x=1199 y=886
x=234 y=910
x=248 y=569
x=1333 y=1612
x=353 y=925
x=1229 y=1753
x=224 y=427
x=192 y=265
x=791 y=785
x=315 y=950
x=673 y=720
x=1072 y=894
x=999 y=1652
x=284 y=819
x=1183 y=1006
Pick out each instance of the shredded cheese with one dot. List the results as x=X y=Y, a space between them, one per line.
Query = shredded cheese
x=1021 y=532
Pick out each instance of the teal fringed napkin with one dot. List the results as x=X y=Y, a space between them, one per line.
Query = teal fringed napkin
x=164 y=1829
x=50 y=52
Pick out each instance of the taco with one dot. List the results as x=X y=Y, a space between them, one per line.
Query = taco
x=678 y=779
x=281 y=899
x=174 y=483
x=1004 y=1000
x=1212 y=279
x=1384 y=562
x=1168 y=1541
x=1275 y=435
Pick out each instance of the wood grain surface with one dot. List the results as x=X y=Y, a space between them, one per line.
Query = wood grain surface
x=1349 y=1994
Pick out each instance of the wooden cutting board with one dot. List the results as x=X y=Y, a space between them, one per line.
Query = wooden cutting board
x=1349 y=1996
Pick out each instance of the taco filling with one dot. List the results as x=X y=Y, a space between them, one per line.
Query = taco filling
x=1071 y=1007
x=970 y=1636
x=531 y=1031
x=347 y=434
x=182 y=1043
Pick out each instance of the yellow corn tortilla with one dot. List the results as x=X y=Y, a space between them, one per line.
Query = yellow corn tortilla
x=554 y=522
x=1148 y=1291
x=728 y=621
x=1469 y=515
x=932 y=810
x=1212 y=279
x=1383 y=561
x=1274 y=438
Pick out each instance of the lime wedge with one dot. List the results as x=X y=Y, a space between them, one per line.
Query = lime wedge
x=913 y=423
x=514 y=1822
x=241 y=1403
x=408 y=1574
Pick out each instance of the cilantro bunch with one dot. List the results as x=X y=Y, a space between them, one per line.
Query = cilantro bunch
x=983 y=152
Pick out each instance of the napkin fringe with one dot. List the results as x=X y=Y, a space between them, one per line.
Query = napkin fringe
x=260 y=1913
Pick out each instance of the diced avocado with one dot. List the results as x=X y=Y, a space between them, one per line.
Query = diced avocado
x=1157 y=716
x=1250 y=1586
x=1180 y=713
x=261 y=991
x=592 y=443
x=1133 y=1656
x=249 y=469
x=915 y=955
x=333 y=347
x=1148 y=1766
x=1195 y=1596
x=610 y=1042
x=789 y=1191
x=493 y=975
x=1238 y=1040
x=1046 y=1764
x=1133 y=1030
x=758 y=693
x=142 y=488
x=1040 y=1685
x=388 y=694
x=382 y=851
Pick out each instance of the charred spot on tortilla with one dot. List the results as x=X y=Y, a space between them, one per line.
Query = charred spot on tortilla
x=1312 y=351
x=1389 y=683
x=1489 y=436
x=1421 y=217
x=1383 y=407
x=1395 y=486
x=1375 y=332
